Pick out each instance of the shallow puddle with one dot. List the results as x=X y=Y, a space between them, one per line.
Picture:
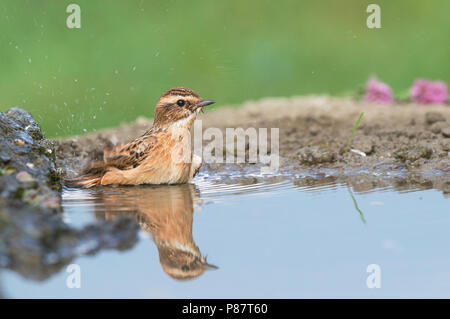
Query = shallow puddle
x=265 y=236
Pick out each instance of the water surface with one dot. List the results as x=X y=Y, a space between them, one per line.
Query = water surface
x=252 y=236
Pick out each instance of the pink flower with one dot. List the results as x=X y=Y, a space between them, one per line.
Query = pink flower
x=427 y=92
x=378 y=92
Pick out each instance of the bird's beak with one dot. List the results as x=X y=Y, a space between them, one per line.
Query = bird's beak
x=205 y=103
x=209 y=266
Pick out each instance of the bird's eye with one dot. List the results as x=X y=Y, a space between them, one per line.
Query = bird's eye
x=185 y=268
x=180 y=102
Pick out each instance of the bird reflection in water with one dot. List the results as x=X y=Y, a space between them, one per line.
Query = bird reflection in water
x=166 y=212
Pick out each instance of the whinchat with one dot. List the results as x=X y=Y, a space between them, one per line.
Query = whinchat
x=162 y=155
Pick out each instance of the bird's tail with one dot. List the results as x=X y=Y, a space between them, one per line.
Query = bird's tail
x=91 y=177
x=85 y=181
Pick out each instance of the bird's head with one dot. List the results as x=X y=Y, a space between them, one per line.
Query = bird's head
x=179 y=106
x=181 y=263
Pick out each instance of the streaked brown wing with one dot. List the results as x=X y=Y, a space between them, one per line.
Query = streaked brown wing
x=132 y=154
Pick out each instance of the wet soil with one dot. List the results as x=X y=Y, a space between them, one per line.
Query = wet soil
x=401 y=143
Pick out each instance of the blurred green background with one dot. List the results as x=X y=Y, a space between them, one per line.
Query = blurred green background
x=127 y=53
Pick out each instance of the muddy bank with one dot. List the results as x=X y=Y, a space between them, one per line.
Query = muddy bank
x=408 y=141
x=34 y=239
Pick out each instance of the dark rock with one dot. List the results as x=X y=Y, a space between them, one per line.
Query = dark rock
x=27 y=159
x=26 y=122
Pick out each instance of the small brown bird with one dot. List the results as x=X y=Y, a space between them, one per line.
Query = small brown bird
x=162 y=155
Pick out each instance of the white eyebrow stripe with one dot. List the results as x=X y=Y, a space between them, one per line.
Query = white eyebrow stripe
x=174 y=98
